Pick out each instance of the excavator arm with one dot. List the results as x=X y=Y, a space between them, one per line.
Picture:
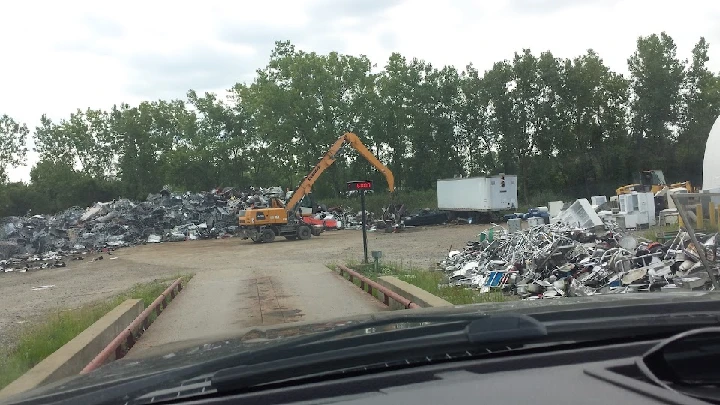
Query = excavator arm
x=329 y=158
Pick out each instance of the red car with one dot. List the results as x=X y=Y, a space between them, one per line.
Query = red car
x=327 y=223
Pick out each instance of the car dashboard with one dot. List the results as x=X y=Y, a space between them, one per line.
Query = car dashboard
x=579 y=375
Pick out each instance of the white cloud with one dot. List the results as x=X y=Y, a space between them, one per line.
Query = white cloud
x=60 y=56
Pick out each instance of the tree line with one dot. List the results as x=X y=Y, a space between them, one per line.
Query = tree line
x=570 y=126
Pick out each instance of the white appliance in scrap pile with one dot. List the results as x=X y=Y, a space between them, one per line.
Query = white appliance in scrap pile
x=637 y=209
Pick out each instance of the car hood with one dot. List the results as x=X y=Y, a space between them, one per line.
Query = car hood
x=191 y=352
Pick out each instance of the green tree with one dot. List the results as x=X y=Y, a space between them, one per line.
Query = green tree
x=657 y=77
x=220 y=135
x=592 y=148
x=571 y=126
x=394 y=87
x=515 y=90
x=479 y=143
x=61 y=186
x=142 y=139
x=299 y=105
x=700 y=108
x=500 y=116
x=13 y=136
x=437 y=143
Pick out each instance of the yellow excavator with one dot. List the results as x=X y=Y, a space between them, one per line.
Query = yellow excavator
x=263 y=224
x=652 y=181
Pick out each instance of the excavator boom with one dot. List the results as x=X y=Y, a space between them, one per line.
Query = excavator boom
x=329 y=158
x=263 y=224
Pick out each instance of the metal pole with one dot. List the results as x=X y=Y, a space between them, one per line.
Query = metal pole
x=364 y=225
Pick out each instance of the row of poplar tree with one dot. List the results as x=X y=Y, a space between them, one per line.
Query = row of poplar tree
x=572 y=126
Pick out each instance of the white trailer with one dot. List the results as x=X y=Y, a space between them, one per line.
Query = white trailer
x=475 y=195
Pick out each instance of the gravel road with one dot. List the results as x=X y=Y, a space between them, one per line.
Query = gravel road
x=230 y=274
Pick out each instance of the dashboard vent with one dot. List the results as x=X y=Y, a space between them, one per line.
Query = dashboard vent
x=199 y=385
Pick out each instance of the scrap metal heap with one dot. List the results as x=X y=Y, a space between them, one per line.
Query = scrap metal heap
x=347 y=218
x=557 y=260
x=41 y=241
x=44 y=241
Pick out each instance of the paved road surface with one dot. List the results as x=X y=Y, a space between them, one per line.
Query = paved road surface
x=253 y=293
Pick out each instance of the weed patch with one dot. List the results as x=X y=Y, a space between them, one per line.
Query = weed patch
x=40 y=340
x=434 y=282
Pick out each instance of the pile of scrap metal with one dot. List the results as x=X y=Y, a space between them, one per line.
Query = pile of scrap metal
x=347 y=218
x=557 y=260
x=43 y=240
x=394 y=218
x=260 y=196
x=534 y=212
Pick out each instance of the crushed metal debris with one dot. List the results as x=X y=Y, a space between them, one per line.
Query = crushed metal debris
x=564 y=260
x=47 y=241
x=43 y=241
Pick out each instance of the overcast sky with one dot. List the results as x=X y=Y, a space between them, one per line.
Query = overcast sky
x=60 y=56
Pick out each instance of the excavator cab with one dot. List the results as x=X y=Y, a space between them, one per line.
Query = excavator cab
x=651 y=181
x=273 y=213
x=309 y=206
x=645 y=181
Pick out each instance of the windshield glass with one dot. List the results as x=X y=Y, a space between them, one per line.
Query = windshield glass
x=659 y=177
x=249 y=173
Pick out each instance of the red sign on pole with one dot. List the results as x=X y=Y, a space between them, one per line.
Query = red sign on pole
x=359 y=185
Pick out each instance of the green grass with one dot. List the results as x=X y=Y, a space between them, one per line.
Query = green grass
x=653 y=232
x=41 y=339
x=433 y=282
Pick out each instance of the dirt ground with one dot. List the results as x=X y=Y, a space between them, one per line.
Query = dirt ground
x=82 y=282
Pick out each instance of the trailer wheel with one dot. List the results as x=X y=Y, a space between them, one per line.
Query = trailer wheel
x=304 y=232
x=267 y=235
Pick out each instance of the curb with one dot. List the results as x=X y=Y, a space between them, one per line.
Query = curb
x=73 y=355
x=122 y=343
x=390 y=298
x=413 y=293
